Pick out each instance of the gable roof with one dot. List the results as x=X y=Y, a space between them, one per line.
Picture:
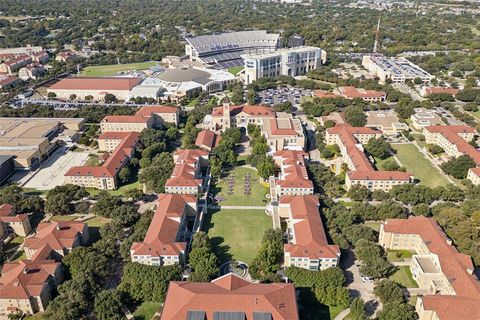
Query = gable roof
x=207 y=138
x=251 y=110
x=147 y=111
x=57 y=234
x=186 y=163
x=96 y=83
x=230 y=293
x=293 y=170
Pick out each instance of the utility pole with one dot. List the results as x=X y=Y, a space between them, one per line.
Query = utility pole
x=377 y=35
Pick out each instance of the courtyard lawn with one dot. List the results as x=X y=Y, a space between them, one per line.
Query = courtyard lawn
x=238 y=197
x=415 y=163
x=15 y=242
x=398 y=255
x=113 y=69
x=235 y=70
x=92 y=161
x=146 y=310
x=373 y=225
x=404 y=277
x=94 y=225
x=120 y=191
x=237 y=234
x=63 y=218
x=36 y=316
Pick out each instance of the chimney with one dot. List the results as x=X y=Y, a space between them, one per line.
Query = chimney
x=25 y=270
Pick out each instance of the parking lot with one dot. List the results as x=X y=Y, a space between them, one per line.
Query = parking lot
x=281 y=95
x=52 y=172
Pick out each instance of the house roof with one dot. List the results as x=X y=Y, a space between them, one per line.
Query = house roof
x=457 y=268
x=350 y=92
x=26 y=278
x=432 y=90
x=251 y=110
x=96 y=83
x=57 y=234
x=114 y=163
x=113 y=135
x=186 y=163
x=208 y=139
x=451 y=133
x=148 y=110
x=230 y=293
x=6 y=209
x=161 y=237
x=293 y=170
x=310 y=239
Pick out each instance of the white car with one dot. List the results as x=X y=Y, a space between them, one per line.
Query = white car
x=366 y=278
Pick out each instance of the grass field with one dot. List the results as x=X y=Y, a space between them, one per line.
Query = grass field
x=36 y=316
x=92 y=161
x=146 y=310
x=398 y=255
x=120 y=191
x=320 y=312
x=113 y=69
x=403 y=276
x=238 y=198
x=373 y=225
x=415 y=163
x=237 y=234
x=235 y=70
x=63 y=218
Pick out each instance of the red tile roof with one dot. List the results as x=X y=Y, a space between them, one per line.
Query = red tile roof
x=26 y=278
x=352 y=93
x=432 y=90
x=161 y=237
x=476 y=171
x=15 y=218
x=58 y=235
x=293 y=170
x=277 y=130
x=96 y=83
x=6 y=209
x=451 y=133
x=148 y=110
x=230 y=294
x=456 y=266
x=7 y=80
x=364 y=169
x=114 y=163
x=325 y=94
x=310 y=237
x=252 y=110
x=113 y=135
x=207 y=139
x=186 y=163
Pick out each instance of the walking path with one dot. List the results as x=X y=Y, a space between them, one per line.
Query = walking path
x=401 y=263
x=342 y=314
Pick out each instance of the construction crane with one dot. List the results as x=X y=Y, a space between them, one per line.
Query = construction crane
x=377 y=35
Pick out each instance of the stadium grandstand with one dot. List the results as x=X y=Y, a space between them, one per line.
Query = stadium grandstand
x=224 y=50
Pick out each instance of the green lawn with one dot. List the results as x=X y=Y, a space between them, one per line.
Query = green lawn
x=237 y=234
x=113 y=69
x=20 y=255
x=379 y=163
x=92 y=161
x=398 y=255
x=415 y=163
x=319 y=312
x=63 y=218
x=120 y=191
x=14 y=243
x=146 y=310
x=235 y=70
x=238 y=197
x=403 y=276
x=36 y=316
x=97 y=221
x=373 y=225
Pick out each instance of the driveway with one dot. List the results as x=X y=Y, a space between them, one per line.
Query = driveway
x=356 y=286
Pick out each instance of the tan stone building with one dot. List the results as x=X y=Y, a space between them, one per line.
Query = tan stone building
x=168 y=234
x=474 y=175
x=437 y=267
x=187 y=175
x=283 y=132
x=160 y=114
x=385 y=121
x=18 y=224
x=361 y=171
x=125 y=123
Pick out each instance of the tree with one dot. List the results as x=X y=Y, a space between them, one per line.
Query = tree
x=373 y=259
x=357 y=309
x=202 y=259
x=458 y=167
x=108 y=305
x=435 y=149
x=51 y=95
x=397 y=311
x=125 y=174
x=421 y=209
x=357 y=231
x=110 y=98
x=58 y=204
x=157 y=172
x=355 y=116
x=359 y=193
x=267 y=168
x=378 y=148
x=73 y=96
x=268 y=259
x=388 y=291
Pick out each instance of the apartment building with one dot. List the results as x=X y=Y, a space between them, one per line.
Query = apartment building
x=168 y=234
x=350 y=92
x=424 y=118
x=283 y=133
x=307 y=245
x=105 y=177
x=207 y=140
x=160 y=114
x=61 y=237
x=65 y=56
x=293 y=177
x=187 y=176
x=125 y=123
x=361 y=171
x=395 y=69
x=426 y=91
x=12 y=65
x=230 y=297
x=27 y=286
x=7 y=82
x=288 y=62
x=385 y=121
x=96 y=87
x=31 y=71
x=18 y=224
x=446 y=274
x=453 y=139
x=474 y=175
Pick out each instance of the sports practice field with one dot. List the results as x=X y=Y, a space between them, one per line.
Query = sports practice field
x=113 y=69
